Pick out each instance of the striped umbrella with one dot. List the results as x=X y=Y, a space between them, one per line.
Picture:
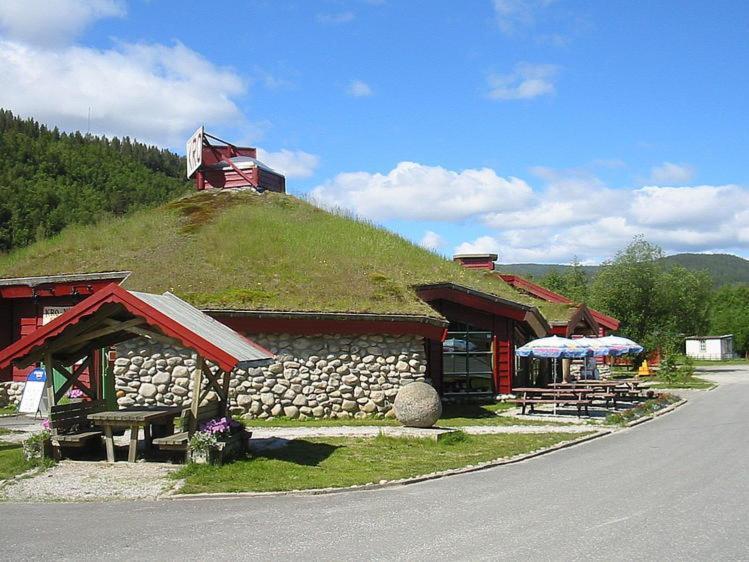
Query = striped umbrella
x=554 y=348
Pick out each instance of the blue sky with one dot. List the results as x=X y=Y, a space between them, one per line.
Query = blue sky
x=537 y=129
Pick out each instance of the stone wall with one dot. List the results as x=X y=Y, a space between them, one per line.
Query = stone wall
x=313 y=376
x=11 y=393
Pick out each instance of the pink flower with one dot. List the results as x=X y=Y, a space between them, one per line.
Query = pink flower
x=46 y=424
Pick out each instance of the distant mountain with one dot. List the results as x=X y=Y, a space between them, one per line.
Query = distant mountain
x=538 y=270
x=726 y=269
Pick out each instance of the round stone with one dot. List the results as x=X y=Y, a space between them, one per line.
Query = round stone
x=417 y=405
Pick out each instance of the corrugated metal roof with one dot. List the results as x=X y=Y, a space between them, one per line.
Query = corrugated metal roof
x=246 y=352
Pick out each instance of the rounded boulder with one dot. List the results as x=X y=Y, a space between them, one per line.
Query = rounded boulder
x=417 y=405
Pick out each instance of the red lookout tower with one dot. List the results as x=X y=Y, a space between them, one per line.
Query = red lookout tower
x=224 y=165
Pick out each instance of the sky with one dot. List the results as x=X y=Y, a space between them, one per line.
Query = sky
x=540 y=130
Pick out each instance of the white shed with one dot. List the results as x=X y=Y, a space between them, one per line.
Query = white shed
x=710 y=347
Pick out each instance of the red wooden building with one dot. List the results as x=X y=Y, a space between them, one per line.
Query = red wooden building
x=223 y=165
x=27 y=303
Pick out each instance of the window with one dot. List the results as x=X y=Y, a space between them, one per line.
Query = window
x=703 y=346
x=468 y=360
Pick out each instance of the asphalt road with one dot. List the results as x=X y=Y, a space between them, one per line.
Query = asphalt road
x=674 y=488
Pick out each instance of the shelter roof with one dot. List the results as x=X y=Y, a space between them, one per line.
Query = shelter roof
x=114 y=314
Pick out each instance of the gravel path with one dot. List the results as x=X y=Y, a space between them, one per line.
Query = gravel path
x=92 y=481
x=394 y=431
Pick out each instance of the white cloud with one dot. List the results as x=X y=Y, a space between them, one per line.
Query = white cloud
x=671 y=206
x=514 y=15
x=525 y=82
x=482 y=245
x=359 y=89
x=669 y=173
x=432 y=241
x=576 y=214
x=337 y=18
x=157 y=93
x=53 y=22
x=291 y=163
x=420 y=192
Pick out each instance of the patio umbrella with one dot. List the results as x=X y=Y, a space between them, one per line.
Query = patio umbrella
x=554 y=348
x=620 y=346
x=600 y=349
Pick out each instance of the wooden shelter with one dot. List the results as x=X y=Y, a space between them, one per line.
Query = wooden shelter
x=70 y=342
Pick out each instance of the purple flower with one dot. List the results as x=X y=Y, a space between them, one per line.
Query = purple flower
x=75 y=393
x=219 y=426
x=46 y=424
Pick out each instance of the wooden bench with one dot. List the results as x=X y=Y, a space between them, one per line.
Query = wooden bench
x=178 y=442
x=70 y=425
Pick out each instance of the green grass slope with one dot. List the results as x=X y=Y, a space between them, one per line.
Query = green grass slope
x=240 y=250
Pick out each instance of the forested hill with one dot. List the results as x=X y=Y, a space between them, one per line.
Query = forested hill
x=49 y=179
x=726 y=269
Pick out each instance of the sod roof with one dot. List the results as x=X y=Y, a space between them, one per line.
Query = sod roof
x=239 y=250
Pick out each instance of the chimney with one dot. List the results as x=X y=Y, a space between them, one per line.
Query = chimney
x=476 y=261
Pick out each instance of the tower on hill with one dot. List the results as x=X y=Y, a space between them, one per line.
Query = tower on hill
x=222 y=165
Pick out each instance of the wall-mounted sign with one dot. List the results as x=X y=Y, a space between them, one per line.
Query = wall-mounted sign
x=49 y=313
x=194 y=151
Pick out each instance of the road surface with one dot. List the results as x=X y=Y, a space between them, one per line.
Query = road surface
x=675 y=488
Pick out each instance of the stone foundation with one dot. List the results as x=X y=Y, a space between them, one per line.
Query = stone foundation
x=313 y=376
x=11 y=393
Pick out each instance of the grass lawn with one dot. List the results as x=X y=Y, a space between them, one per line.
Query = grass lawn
x=706 y=363
x=340 y=462
x=692 y=382
x=453 y=415
x=12 y=461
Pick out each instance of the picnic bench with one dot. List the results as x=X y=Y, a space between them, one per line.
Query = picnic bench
x=599 y=390
x=71 y=427
x=179 y=443
x=533 y=396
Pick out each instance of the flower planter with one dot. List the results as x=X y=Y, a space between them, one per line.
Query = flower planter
x=200 y=457
x=37 y=450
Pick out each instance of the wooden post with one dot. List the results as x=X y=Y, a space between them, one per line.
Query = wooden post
x=225 y=397
x=49 y=368
x=197 y=383
x=109 y=440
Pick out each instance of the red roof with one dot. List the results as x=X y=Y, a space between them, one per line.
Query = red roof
x=189 y=326
x=540 y=292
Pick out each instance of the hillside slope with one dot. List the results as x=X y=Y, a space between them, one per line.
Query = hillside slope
x=236 y=249
x=50 y=179
x=726 y=269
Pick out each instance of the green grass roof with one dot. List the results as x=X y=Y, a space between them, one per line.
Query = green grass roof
x=240 y=250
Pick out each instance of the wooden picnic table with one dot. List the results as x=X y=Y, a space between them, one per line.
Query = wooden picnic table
x=160 y=418
x=537 y=395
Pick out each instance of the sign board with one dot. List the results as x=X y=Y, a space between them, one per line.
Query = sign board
x=49 y=313
x=194 y=151
x=34 y=398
